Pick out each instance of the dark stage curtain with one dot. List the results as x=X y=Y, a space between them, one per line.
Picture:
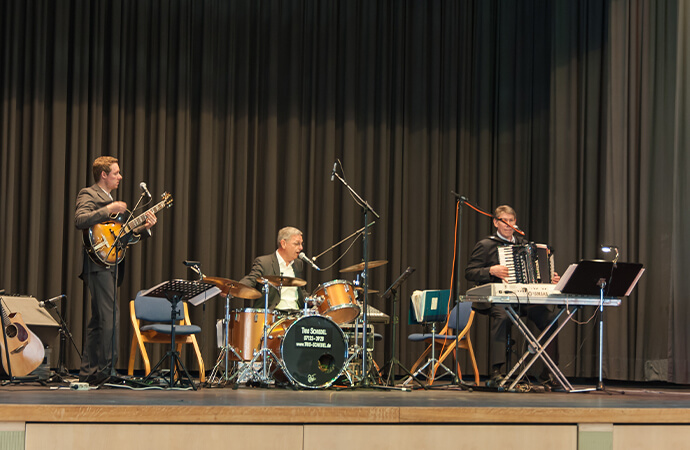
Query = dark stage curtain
x=572 y=112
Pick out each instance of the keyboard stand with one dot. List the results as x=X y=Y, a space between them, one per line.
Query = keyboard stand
x=536 y=349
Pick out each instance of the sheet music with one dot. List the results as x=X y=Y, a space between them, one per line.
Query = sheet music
x=565 y=277
x=634 y=283
x=418 y=305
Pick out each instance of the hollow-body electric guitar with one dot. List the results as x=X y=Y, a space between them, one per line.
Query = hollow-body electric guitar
x=101 y=240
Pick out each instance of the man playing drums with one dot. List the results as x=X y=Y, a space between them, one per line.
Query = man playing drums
x=284 y=262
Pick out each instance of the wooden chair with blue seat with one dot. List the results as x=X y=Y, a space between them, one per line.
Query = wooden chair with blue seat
x=156 y=313
x=460 y=318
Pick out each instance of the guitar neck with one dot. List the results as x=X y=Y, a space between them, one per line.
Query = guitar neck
x=134 y=223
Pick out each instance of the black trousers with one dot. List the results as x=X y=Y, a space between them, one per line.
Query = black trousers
x=97 y=353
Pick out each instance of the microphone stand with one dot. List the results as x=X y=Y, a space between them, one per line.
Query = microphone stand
x=118 y=245
x=460 y=200
x=64 y=334
x=367 y=209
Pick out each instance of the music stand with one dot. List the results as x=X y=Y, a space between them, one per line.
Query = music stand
x=393 y=361
x=605 y=279
x=176 y=291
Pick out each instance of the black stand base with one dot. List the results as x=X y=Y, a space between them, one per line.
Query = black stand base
x=176 y=367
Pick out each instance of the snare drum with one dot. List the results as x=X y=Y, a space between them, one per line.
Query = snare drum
x=247 y=330
x=313 y=350
x=338 y=301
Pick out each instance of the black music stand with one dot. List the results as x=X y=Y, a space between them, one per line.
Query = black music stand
x=389 y=380
x=176 y=291
x=603 y=279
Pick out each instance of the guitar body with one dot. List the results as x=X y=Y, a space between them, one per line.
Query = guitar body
x=99 y=240
x=25 y=348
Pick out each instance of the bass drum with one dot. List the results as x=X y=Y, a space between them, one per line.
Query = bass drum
x=313 y=350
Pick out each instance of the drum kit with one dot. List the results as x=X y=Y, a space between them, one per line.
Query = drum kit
x=305 y=348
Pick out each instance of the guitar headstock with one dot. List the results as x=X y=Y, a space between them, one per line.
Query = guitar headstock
x=167 y=199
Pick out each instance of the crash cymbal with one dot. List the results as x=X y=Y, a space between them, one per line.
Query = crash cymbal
x=359 y=267
x=278 y=280
x=370 y=291
x=234 y=288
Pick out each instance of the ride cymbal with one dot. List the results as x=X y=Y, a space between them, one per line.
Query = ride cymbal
x=359 y=267
x=278 y=280
x=234 y=288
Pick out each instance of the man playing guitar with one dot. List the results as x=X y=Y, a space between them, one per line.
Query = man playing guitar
x=95 y=204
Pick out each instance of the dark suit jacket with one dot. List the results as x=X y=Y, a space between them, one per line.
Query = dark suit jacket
x=267 y=265
x=484 y=255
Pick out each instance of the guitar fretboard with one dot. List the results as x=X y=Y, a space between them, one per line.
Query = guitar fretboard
x=133 y=224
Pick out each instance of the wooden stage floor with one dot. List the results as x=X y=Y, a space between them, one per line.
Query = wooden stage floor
x=630 y=416
x=621 y=403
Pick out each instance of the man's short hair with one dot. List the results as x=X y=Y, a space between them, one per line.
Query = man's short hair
x=504 y=209
x=286 y=233
x=102 y=164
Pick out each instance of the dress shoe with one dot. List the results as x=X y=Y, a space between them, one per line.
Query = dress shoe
x=495 y=380
x=548 y=381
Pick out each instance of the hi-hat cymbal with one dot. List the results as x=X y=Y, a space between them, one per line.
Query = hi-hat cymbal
x=234 y=288
x=278 y=280
x=359 y=267
x=369 y=291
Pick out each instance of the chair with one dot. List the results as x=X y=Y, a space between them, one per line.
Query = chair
x=460 y=318
x=158 y=312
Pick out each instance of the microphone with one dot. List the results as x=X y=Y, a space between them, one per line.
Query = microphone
x=305 y=258
x=142 y=185
x=335 y=165
x=50 y=303
x=462 y=198
x=195 y=266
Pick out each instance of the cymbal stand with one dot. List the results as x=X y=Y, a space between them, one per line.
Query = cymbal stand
x=264 y=353
x=224 y=355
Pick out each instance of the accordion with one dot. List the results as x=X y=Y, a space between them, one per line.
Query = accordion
x=527 y=263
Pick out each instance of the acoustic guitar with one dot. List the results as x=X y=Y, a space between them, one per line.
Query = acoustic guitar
x=25 y=348
x=101 y=239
